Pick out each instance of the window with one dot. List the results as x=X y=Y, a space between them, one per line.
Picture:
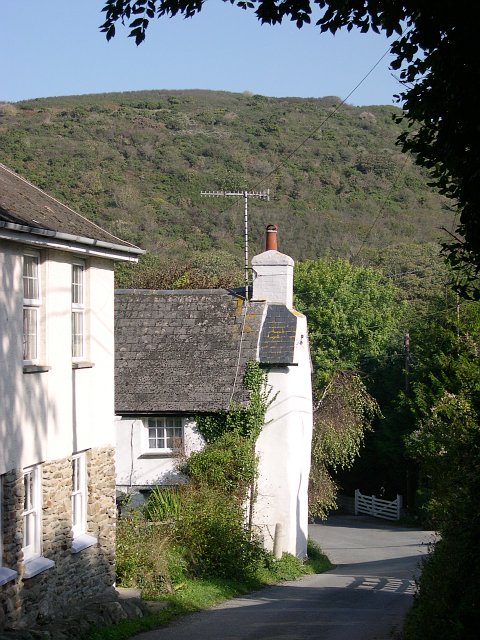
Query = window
x=31 y=307
x=31 y=513
x=81 y=539
x=78 y=310
x=164 y=434
x=35 y=563
x=78 y=495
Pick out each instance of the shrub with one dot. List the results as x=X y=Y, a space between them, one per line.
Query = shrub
x=211 y=526
x=228 y=464
x=162 y=505
x=143 y=555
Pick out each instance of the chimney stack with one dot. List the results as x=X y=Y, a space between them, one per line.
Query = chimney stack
x=273 y=273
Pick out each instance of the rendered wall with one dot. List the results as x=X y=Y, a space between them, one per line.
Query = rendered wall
x=284 y=453
x=136 y=468
x=46 y=416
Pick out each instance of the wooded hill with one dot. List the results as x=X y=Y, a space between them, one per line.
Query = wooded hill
x=136 y=163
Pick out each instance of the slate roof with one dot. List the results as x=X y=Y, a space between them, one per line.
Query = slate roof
x=33 y=210
x=277 y=339
x=177 y=351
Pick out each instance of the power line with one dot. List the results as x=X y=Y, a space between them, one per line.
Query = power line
x=382 y=207
x=333 y=112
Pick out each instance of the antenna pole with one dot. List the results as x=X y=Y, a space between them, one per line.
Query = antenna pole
x=245 y=196
x=262 y=195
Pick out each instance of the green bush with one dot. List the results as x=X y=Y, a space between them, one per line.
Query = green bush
x=229 y=464
x=162 y=505
x=143 y=555
x=212 y=528
x=447 y=605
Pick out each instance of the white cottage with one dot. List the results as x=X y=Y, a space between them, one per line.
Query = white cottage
x=57 y=495
x=182 y=353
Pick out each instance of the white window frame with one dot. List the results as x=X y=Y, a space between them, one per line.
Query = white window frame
x=78 y=311
x=157 y=431
x=31 y=309
x=32 y=513
x=79 y=495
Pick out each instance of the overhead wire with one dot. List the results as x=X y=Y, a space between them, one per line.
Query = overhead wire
x=330 y=115
x=287 y=157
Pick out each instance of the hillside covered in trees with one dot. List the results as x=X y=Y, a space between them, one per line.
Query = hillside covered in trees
x=137 y=162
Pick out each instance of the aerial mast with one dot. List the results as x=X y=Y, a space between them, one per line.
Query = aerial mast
x=262 y=195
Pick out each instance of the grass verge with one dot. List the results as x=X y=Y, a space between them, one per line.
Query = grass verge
x=197 y=594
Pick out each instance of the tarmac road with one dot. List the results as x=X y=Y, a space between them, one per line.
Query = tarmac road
x=364 y=598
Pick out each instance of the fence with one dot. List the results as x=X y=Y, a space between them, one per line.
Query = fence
x=376 y=507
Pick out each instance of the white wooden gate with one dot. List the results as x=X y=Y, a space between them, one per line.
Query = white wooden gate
x=376 y=507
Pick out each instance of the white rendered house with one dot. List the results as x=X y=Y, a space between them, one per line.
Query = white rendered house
x=57 y=502
x=182 y=353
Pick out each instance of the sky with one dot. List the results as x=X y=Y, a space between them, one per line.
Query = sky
x=55 y=48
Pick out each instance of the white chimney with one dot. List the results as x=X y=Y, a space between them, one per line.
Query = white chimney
x=273 y=273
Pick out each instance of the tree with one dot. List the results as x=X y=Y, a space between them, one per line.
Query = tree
x=352 y=314
x=438 y=60
x=447 y=445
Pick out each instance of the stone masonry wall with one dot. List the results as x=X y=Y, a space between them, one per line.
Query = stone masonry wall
x=27 y=602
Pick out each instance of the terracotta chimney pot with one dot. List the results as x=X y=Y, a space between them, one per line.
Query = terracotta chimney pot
x=271 y=238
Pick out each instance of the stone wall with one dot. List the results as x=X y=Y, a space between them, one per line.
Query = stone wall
x=46 y=596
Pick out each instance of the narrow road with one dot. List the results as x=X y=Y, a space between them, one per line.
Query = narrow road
x=364 y=598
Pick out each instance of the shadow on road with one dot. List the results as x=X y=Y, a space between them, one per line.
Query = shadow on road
x=364 y=598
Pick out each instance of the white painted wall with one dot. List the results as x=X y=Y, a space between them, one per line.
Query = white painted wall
x=284 y=452
x=283 y=449
x=46 y=416
x=273 y=278
x=136 y=468
x=284 y=445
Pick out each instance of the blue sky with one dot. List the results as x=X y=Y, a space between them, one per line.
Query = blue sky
x=54 y=47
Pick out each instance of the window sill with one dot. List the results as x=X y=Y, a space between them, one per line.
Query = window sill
x=160 y=454
x=6 y=575
x=82 y=365
x=36 y=566
x=35 y=368
x=83 y=542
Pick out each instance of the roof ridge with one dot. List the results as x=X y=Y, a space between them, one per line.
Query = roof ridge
x=177 y=292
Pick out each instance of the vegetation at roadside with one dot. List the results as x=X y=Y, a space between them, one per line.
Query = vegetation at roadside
x=200 y=593
x=195 y=545
x=353 y=314
x=446 y=446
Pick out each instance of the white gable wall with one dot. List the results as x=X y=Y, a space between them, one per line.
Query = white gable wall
x=283 y=449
